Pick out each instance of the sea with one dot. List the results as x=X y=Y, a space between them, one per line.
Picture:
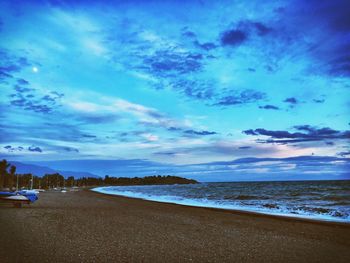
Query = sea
x=318 y=200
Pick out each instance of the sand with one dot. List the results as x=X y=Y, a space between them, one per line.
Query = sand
x=85 y=226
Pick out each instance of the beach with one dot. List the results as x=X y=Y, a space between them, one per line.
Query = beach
x=85 y=226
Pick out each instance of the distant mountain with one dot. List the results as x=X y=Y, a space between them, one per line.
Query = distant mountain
x=42 y=170
x=118 y=167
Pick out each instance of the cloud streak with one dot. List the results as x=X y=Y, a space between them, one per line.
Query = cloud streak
x=304 y=133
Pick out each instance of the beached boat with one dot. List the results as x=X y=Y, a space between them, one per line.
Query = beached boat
x=18 y=198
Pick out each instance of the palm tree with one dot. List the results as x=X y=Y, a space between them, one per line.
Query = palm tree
x=3 y=172
x=12 y=176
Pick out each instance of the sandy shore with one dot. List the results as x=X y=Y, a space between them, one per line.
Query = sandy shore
x=89 y=227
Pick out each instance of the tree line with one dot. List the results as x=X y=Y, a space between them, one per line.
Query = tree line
x=10 y=180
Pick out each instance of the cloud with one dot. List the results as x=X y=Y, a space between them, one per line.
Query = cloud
x=291 y=168
x=189 y=34
x=305 y=133
x=233 y=37
x=184 y=64
x=215 y=148
x=261 y=28
x=205 y=46
x=21 y=89
x=29 y=99
x=201 y=133
x=70 y=149
x=307 y=159
x=243 y=30
x=10 y=148
x=89 y=136
x=34 y=149
x=97 y=118
x=344 y=154
x=191 y=132
x=166 y=62
x=319 y=100
x=30 y=105
x=194 y=89
x=244 y=147
x=269 y=107
x=22 y=82
x=11 y=64
x=166 y=153
x=246 y=96
x=291 y=100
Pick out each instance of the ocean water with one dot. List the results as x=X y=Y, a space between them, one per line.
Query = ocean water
x=321 y=200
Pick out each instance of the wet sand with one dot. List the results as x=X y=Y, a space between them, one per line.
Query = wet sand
x=90 y=227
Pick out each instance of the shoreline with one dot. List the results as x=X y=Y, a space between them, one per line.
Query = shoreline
x=239 y=211
x=86 y=226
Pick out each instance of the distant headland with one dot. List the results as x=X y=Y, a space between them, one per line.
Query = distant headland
x=11 y=180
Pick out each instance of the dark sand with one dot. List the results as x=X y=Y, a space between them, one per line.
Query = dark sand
x=90 y=227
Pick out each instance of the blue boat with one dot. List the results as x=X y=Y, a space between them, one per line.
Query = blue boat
x=19 y=197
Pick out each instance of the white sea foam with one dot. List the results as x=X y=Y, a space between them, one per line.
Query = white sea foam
x=200 y=197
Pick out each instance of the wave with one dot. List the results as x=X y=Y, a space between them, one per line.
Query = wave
x=237 y=202
x=336 y=197
x=244 y=197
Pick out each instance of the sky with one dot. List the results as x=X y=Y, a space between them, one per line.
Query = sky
x=213 y=90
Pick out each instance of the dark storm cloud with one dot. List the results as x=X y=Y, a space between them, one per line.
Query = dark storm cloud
x=269 y=107
x=246 y=96
x=305 y=133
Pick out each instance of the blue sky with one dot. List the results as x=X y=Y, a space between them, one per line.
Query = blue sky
x=177 y=83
